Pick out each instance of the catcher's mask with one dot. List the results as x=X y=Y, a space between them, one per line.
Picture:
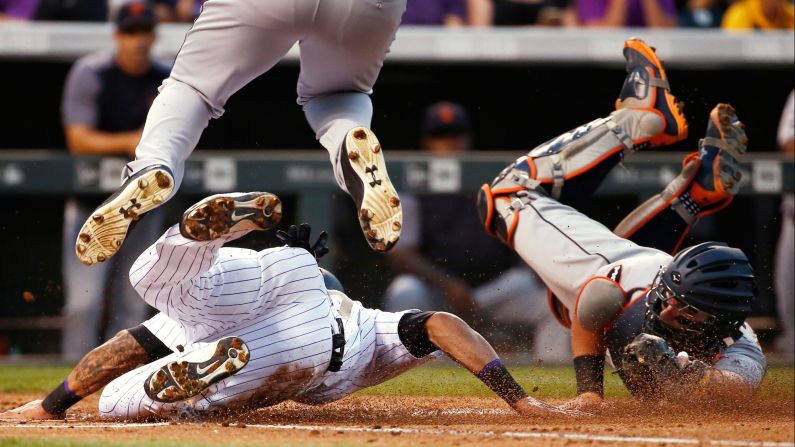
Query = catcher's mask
x=331 y=281
x=712 y=287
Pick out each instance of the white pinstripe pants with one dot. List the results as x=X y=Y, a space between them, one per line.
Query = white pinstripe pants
x=276 y=302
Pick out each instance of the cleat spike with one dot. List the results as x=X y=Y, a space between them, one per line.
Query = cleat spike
x=394 y=201
x=396 y=226
x=98 y=218
x=101 y=257
x=360 y=134
x=377 y=148
x=353 y=155
x=143 y=183
x=85 y=237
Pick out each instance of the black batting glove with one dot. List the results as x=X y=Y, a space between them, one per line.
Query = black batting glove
x=298 y=236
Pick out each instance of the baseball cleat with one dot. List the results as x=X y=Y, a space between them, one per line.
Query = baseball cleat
x=217 y=215
x=367 y=181
x=193 y=372
x=102 y=235
x=646 y=87
x=718 y=176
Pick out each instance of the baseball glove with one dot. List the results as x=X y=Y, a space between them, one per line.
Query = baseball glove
x=649 y=359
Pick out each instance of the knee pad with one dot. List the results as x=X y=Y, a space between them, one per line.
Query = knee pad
x=600 y=300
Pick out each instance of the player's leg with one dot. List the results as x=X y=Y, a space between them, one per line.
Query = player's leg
x=340 y=62
x=144 y=343
x=179 y=275
x=571 y=166
x=259 y=363
x=222 y=52
x=708 y=182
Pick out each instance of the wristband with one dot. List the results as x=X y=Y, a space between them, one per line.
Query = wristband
x=60 y=399
x=589 y=370
x=497 y=377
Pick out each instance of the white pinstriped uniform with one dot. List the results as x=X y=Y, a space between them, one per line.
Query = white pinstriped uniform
x=276 y=301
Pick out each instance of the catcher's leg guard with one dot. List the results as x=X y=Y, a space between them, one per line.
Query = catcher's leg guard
x=499 y=203
x=582 y=157
x=708 y=182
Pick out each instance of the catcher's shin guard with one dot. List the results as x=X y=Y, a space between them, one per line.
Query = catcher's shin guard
x=499 y=203
x=582 y=157
x=708 y=182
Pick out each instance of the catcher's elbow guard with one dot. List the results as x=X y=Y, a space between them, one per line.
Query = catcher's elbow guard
x=599 y=302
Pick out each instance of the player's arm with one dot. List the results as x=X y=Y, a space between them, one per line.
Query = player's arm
x=86 y=140
x=738 y=372
x=122 y=353
x=588 y=353
x=80 y=116
x=425 y=332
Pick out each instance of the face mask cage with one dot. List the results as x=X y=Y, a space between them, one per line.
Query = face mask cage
x=695 y=336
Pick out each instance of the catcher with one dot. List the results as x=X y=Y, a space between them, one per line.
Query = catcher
x=673 y=326
x=240 y=329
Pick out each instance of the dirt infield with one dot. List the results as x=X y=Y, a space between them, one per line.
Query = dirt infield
x=460 y=421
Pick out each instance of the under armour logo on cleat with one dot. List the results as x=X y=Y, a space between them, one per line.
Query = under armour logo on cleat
x=133 y=204
x=372 y=171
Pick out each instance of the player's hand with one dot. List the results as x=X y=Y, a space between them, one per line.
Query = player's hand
x=298 y=236
x=31 y=411
x=535 y=408
x=586 y=402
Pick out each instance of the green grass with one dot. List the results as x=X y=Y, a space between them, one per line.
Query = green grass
x=429 y=380
x=33 y=379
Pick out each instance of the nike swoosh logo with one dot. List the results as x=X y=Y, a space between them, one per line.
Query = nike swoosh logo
x=200 y=370
x=237 y=218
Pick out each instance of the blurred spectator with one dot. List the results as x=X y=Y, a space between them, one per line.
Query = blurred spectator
x=446 y=261
x=17 y=9
x=72 y=10
x=785 y=250
x=517 y=12
x=621 y=13
x=701 y=14
x=435 y=12
x=106 y=99
x=760 y=14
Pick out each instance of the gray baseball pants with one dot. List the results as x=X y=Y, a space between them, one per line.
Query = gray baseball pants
x=342 y=45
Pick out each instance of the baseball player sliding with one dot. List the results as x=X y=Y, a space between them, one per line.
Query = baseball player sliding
x=241 y=329
x=673 y=326
x=343 y=44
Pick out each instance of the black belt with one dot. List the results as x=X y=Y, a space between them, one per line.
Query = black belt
x=337 y=348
